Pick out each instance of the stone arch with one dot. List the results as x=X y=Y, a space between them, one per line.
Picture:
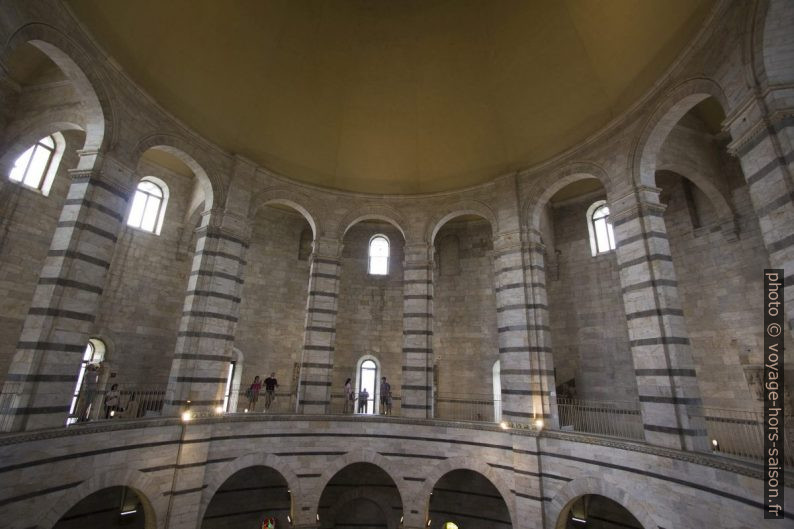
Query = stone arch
x=677 y=102
x=374 y=496
x=79 y=68
x=253 y=459
x=359 y=455
x=297 y=201
x=371 y=212
x=155 y=504
x=776 y=42
x=207 y=173
x=475 y=465
x=593 y=485
x=16 y=141
x=466 y=207
x=716 y=197
x=544 y=188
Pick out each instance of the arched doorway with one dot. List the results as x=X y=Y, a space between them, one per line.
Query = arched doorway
x=467 y=499
x=594 y=511
x=247 y=498
x=360 y=495
x=109 y=508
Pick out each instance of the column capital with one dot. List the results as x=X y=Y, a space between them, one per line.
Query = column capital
x=757 y=115
x=327 y=247
x=640 y=201
x=418 y=253
x=102 y=167
x=216 y=221
x=507 y=240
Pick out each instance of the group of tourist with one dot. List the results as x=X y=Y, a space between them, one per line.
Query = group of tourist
x=270 y=383
x=363 y=398
x=256 y=388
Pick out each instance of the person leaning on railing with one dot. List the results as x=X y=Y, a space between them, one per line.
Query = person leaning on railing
x=112 y=400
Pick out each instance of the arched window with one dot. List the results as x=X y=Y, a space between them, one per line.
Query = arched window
x=85 y=389
x=602 y=236
x=367 y=378
x=379 y=255
x=148 y=205
x=36 y=167
x=496 y=372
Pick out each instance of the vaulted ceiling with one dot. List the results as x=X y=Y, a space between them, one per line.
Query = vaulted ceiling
x=394 y=96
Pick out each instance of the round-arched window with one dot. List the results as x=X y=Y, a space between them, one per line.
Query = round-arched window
x=379 y=255
x=35 y=168
x=148 y=206
x=602 y=236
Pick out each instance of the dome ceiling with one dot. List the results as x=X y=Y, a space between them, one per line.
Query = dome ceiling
x=394 y=96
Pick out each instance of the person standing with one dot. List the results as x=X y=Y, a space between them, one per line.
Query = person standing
x=385 y=397
x=349 y=397
x=253 y=393
x=112 y=399
x=363 y=400
x=270 y=390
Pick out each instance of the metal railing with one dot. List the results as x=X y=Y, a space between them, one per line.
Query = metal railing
x=611 y=418
x=339 y=406
x=466 y=407
x=738 y=433
x=281 y=402
x=126 y=402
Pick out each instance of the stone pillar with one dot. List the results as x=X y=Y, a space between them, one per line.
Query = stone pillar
x=317 y=358
x=41 y=379
x=522 y=395
x=205 y=341
x=766 y=153
x=666 y=381
x=417 y=382
x=189 y=477
x=542 y=360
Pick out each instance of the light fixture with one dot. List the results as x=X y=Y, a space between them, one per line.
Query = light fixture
x=539 y=424
x=715 y=444
x=578 y=520
x=245 y=410
x=401 y=519
x=504 y=425
x=317 y=516
x=186 y=416
x=112 y=413
x=289 y=518
x=429 y=520
x=219 y=410
x=127 y=513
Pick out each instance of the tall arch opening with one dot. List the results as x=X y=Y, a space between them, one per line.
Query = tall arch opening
x=249 y=497
x=369 y=322
x=467 y=499
x=273 y=306
x=109 y=508
x=33 y=189
x=465 y=337
x=592 y=357
x=360 y=495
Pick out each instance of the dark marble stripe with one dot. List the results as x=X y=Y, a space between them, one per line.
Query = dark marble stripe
x=61 y=313
x=215 y=315
x=35 y=494
x=87 y=227
x=71 y=254
x=68 y=283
